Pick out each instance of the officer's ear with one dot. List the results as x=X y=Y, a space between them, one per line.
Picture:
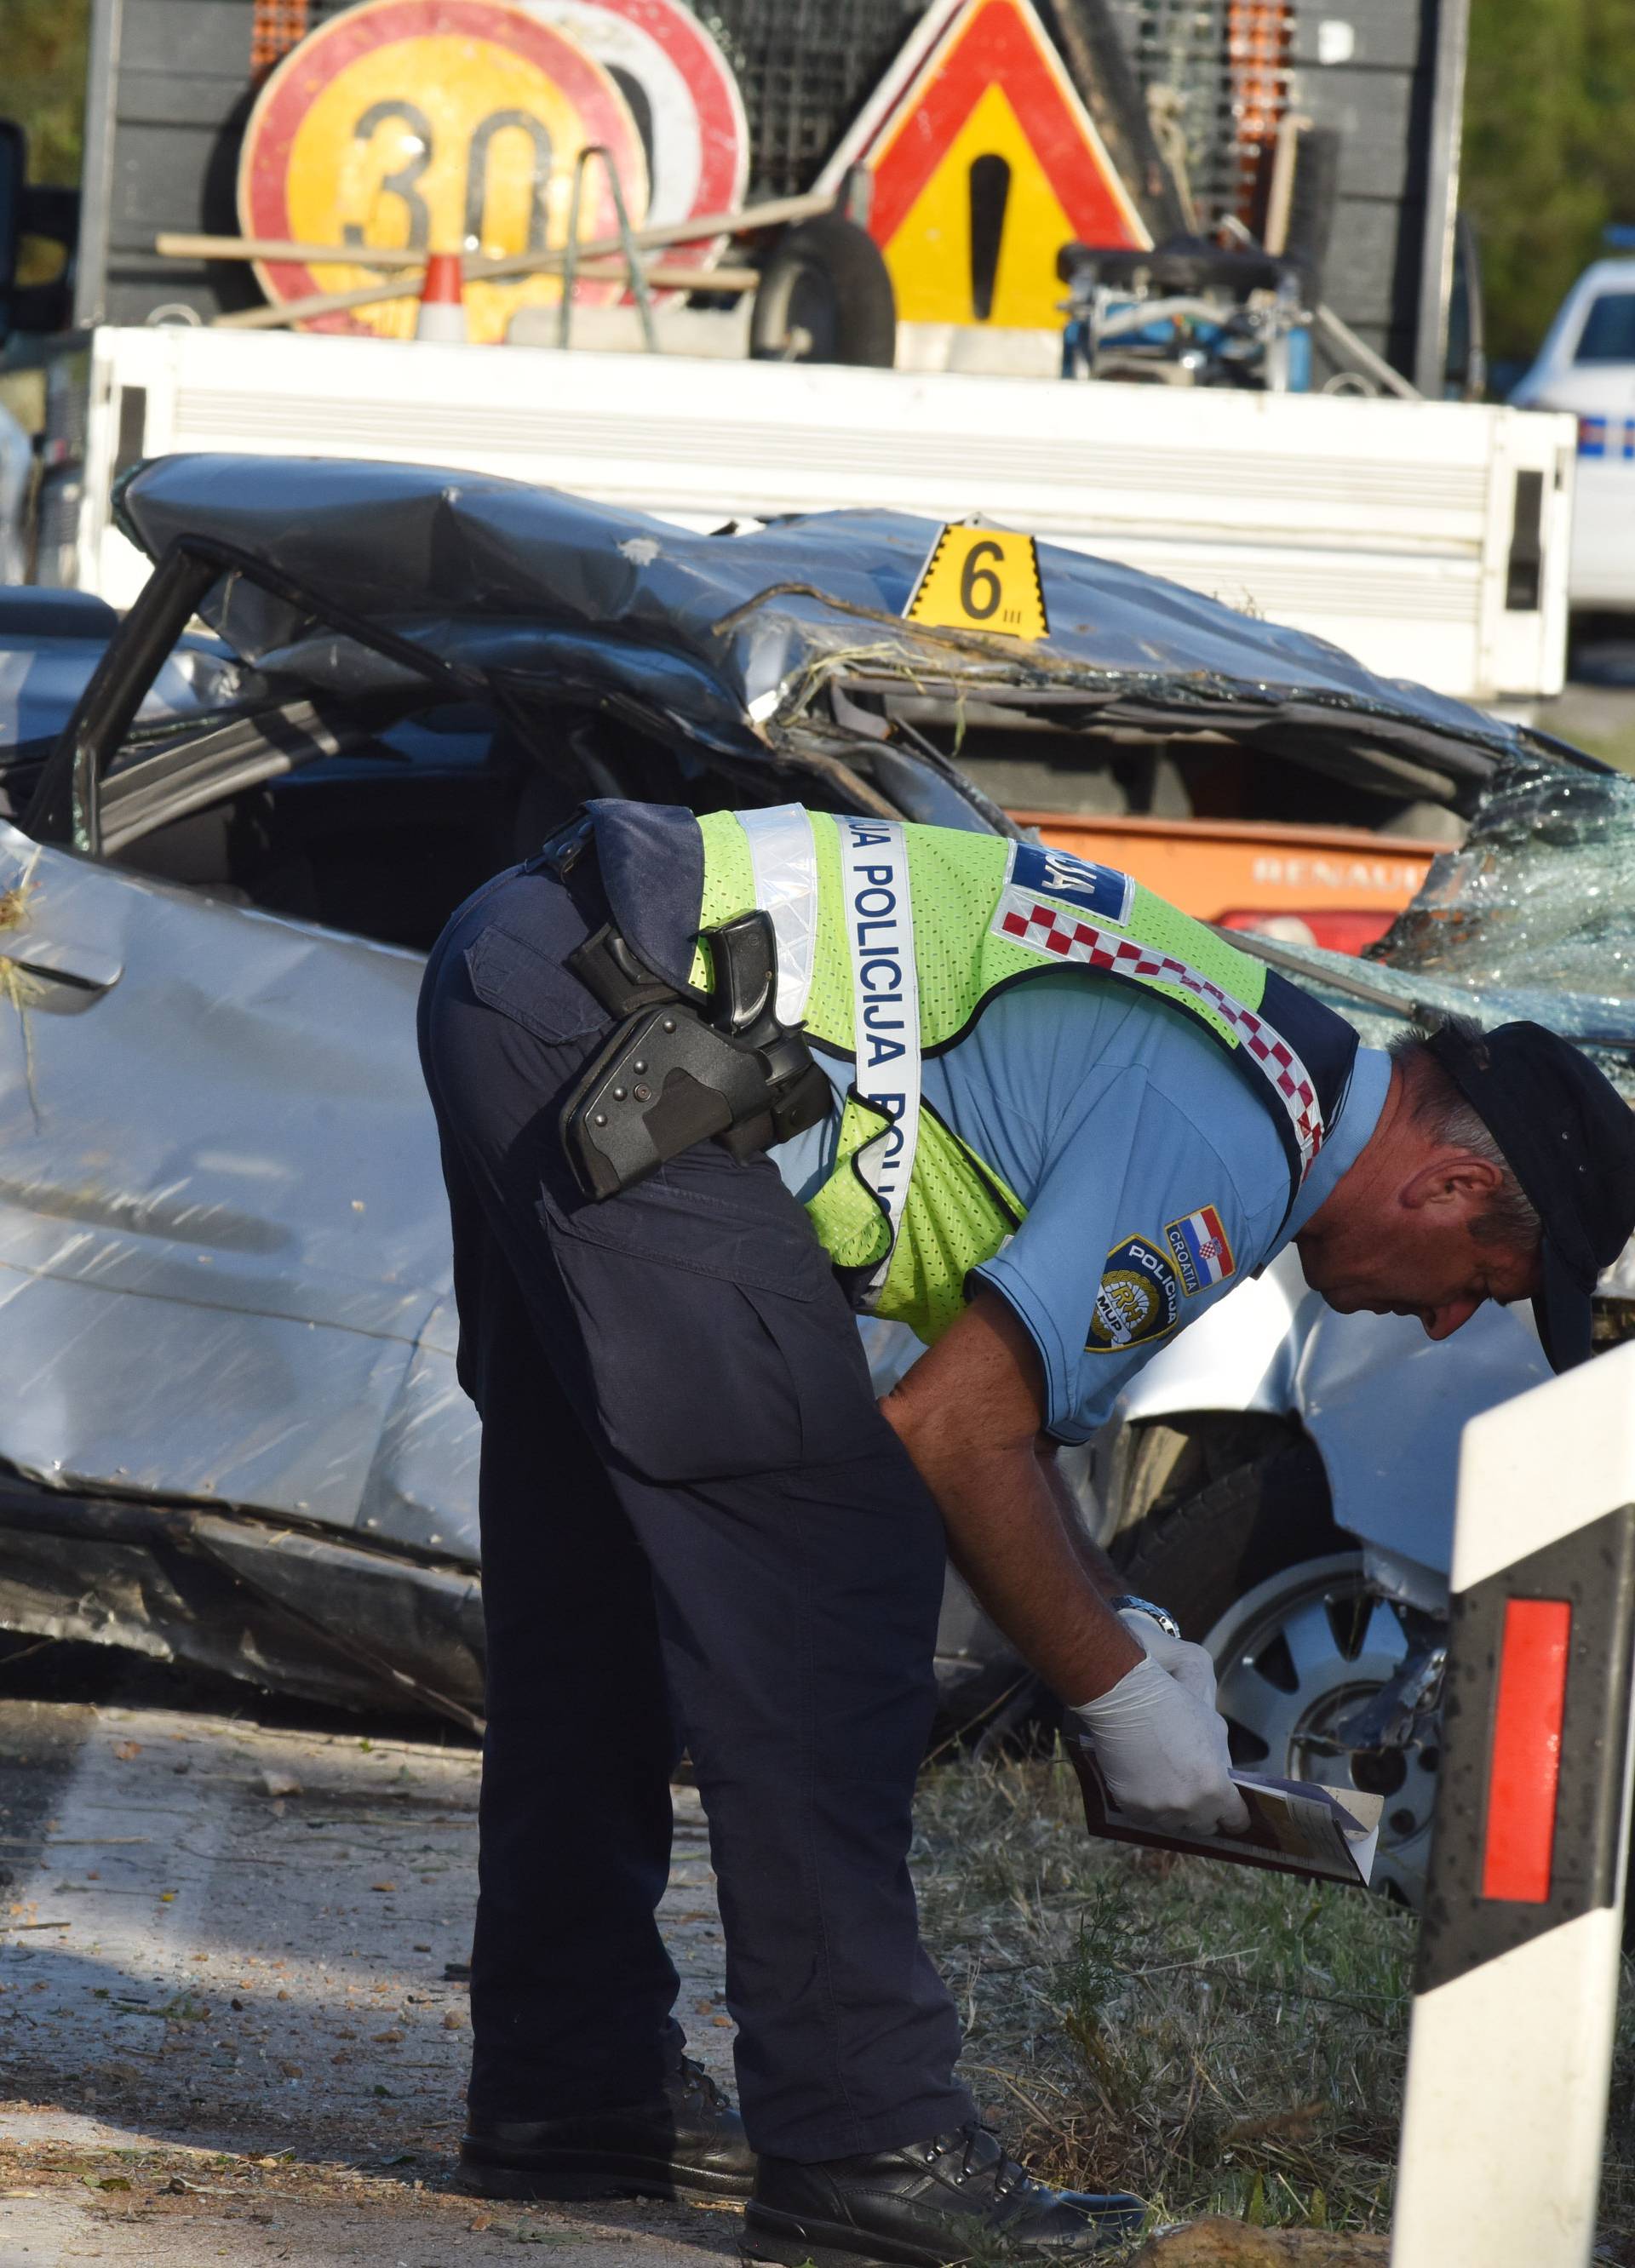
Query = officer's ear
x=1453 y=1186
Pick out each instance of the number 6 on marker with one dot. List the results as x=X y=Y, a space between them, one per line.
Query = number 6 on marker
x=980 y=579
x=973 y=573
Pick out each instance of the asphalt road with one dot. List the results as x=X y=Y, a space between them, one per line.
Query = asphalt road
x=1597 y=709
x=233 y=2021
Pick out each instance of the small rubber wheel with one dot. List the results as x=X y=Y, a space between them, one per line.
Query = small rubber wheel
x=825 y=295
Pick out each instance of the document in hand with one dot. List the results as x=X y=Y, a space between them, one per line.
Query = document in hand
x=1296 y=1827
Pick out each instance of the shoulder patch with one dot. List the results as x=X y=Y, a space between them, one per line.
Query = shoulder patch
x=1100 y=890
x=1202 y=1249
x=1138 y=1299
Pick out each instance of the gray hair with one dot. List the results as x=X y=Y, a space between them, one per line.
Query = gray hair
x=1509 y=1217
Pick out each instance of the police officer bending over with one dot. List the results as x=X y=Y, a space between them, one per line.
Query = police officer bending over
x=706 y=1088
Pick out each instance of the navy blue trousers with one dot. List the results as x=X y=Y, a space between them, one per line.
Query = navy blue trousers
x=698 y=1532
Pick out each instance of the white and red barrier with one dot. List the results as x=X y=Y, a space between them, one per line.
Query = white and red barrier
x=1511 y=2050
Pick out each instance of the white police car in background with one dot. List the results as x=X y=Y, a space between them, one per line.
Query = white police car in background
x=1587 y=365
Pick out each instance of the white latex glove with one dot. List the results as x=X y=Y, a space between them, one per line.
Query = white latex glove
x=1188 y=1664
x=1163 y=1753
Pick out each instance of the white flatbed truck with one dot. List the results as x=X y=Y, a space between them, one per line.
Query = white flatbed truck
x=1428 y=539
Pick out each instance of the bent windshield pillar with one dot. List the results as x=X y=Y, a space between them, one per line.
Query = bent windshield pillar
x=65 y=808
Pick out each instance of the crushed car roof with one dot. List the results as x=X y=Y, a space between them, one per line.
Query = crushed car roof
x=736 y=638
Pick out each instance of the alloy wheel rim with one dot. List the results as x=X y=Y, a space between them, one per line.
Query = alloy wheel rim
x=1291 y=1657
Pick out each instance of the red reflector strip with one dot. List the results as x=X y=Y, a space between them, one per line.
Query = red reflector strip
x=1526 y=1769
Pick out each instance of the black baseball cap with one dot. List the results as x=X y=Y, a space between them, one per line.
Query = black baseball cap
x=1569 y=1138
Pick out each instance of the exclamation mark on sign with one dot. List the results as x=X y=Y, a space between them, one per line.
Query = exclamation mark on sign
x=990 y=194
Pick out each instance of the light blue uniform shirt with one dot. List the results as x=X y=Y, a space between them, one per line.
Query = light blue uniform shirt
x=1154 y=1178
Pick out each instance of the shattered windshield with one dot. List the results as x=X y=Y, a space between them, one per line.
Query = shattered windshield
x=1533 y=916
x=1541 y=896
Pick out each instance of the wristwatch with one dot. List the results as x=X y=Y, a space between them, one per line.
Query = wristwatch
x=1163 y=1619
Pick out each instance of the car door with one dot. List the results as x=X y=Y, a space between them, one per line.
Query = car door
x=223 y=1265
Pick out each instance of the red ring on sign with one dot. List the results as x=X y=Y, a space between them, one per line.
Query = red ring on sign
x=723 y=134
x=283 y=102
x=718 y=117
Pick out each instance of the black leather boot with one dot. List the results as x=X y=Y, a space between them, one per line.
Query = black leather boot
x=952 y=2198
x=688 y=2141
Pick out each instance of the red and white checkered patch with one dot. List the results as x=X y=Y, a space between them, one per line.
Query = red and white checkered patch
x=1060 y=934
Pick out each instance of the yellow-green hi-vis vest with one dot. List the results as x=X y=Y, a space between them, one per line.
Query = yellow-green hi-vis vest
x=891 y=941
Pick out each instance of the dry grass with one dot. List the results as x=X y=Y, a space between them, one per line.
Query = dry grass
x=15 y=903
x=1219 y=2040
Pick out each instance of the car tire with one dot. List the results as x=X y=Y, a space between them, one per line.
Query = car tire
x=1158 y=1463
x=1254 y=1568
x=1198 y=1552
x=825 y=295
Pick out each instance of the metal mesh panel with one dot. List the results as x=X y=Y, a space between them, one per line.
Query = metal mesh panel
x=1228 y=62
x=276 y=26
x=1260 y=40
x=806 y=68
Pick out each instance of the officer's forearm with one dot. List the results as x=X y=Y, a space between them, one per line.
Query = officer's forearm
x=1095 y=1563
x=968 y=1413
x=1007 y=1537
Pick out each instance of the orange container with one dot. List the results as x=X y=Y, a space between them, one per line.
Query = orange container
x=1338 y=886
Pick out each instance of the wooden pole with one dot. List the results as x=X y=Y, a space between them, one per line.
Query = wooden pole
x=171 y=245
x=665 y=275
x=662 y=276
x=775 y=212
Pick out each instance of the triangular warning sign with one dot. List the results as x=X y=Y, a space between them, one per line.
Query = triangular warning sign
x=985 y=163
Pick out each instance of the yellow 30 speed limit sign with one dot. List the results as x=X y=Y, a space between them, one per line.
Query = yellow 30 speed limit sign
x=980 y=579
x=436 y=124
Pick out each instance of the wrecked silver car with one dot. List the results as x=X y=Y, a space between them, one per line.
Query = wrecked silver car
x=233 y=1433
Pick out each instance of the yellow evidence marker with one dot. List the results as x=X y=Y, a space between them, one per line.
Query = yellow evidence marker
x=980 y=579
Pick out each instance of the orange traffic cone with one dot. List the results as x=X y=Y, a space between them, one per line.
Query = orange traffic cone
x=442 y=303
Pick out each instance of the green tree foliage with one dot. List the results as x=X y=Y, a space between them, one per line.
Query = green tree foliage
x=42 y=77
x=1548 y=151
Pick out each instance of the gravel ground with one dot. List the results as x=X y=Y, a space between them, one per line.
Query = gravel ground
x=232 y=2002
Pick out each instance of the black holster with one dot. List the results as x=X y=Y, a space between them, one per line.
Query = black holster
x=685 y=1067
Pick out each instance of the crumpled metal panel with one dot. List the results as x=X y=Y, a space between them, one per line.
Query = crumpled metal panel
x=1387 y=1408
x=723 y=637
x=421 y=1490
x=247 y=1597
x=225 y=1270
